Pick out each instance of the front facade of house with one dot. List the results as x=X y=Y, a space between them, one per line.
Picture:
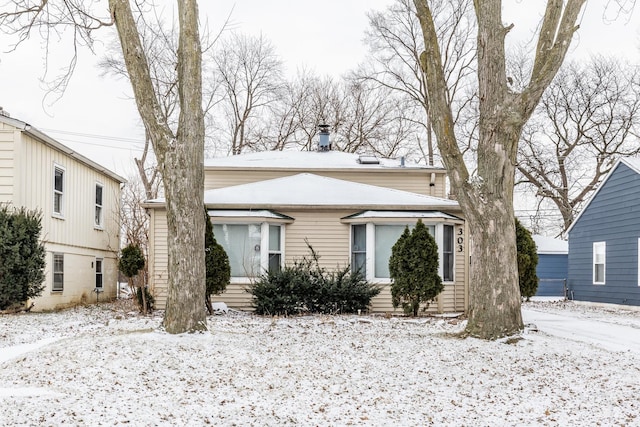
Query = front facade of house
x=80 y=203
x=267 y=208
x=604 y=241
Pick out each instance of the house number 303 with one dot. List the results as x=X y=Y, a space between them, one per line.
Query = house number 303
x=460 y=240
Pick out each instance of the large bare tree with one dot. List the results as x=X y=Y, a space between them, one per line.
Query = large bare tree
x=486 y=197
x=250 y=77
x=395 y=43
x=585 y=121
x=180 y=154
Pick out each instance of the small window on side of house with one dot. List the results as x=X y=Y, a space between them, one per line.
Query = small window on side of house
x=599 y=262
x=58 y=191
x=58 y=273
x=98 y=207
x=98 y=273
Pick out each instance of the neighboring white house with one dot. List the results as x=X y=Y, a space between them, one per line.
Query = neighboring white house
x=80 y=204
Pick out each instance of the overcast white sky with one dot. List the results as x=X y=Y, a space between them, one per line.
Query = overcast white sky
x=325 y=36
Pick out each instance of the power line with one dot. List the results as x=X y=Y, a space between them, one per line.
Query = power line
x=95 y=136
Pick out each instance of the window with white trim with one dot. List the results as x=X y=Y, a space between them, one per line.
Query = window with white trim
x=371 y=246
x=599 y=262
x=98 y=273
x=98 y=206
x=58 y=191
x=359 y=248
x=252 y=248
x=58 y=272
x=448 y=257
x=275 y=248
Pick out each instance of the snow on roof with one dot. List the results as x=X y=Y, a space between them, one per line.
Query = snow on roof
x=402 y=215
x=235 y=213
x=550 y=246
x=307 y=160
x=310 y=190
x=633 y=163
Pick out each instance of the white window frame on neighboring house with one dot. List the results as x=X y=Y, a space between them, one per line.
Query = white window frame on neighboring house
x=57 y=277
x=98 y=211
x=251 y=253
x=375 y=270
x=599 y=259
x=58 y=191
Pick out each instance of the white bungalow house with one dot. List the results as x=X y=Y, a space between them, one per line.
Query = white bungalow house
x=266 y=207
x=80 y=204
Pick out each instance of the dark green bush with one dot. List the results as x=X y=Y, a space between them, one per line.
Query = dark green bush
x=305 y=287
x=22 y=256
x=147 y=297
x=413 y=267
x=527 y=262
x=217 y=265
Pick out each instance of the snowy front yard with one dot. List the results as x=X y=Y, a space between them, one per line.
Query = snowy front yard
x=106 y=365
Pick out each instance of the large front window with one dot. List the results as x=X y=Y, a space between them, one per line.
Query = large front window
x=252 y=248
x=371 y=246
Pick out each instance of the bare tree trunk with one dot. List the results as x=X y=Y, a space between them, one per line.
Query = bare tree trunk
x=180 y=159
x=487 y=198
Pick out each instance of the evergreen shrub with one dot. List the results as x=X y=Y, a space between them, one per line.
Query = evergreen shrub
x=413 y=267
x=218 y=269
x=527 y=262
x=22 y=256
x=305 y=287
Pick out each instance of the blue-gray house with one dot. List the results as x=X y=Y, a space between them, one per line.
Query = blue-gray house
x=552 y=266
x=604 y=240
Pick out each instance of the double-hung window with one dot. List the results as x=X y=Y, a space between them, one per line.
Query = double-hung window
x=599 y=262
x=98 y=273
x=447 y=253
x=275 y=248
x=98 y=207
x=58 y=191
x=58 y=272
x=359 y=248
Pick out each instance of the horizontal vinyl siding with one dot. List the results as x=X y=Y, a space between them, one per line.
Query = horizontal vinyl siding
x=612 y=216
x=235 y=296
x=6 y=166
x=158 y=256
x=323 y=231
x=409 y=180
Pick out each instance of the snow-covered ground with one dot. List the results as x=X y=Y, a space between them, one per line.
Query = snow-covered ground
x=107 y=365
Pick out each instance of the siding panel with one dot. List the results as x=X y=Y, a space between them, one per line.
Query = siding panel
x=612 y=216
